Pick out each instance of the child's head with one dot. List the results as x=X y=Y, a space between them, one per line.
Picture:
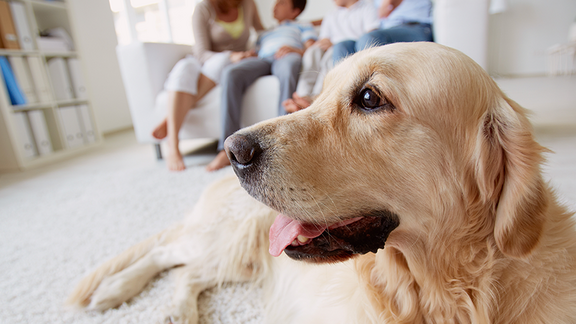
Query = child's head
x=345 y=3
x=288 y=9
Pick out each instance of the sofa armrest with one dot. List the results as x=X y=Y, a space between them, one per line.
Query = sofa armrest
x=144 y=68
x=463 y=25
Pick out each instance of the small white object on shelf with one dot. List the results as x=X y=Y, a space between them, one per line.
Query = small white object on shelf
x=71 y=124
x=59 y=75
x=39 y=79
x=40 y=131
x=22 y=26
x=52 y=44
x=24 y=134
x=77 y=78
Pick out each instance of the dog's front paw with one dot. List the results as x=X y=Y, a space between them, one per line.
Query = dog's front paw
x=176 y=319
x=112 y=292
x=182 y=314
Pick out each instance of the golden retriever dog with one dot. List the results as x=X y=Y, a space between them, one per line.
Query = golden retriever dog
x=409 y=192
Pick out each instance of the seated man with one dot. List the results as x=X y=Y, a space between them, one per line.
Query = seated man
x=280 y=54
x=401 y=21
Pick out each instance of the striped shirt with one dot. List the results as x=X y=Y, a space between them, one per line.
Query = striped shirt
x=288 y=33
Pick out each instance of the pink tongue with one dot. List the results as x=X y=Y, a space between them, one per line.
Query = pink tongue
x=285 y=230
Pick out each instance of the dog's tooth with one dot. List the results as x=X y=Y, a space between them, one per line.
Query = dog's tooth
x=295 y=243
x=302 y=239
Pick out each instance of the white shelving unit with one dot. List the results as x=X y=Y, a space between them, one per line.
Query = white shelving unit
x=42 y=15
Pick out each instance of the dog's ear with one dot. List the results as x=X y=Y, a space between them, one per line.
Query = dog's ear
x=509 y=176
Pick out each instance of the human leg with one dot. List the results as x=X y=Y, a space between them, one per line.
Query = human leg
x=286 y=69
x=326 y=65
x=235 y=80
x=300 y=102
x=308 y=80
x=311 y=61
x=178 y=105
x=184 y=78
x=402 y=33
x=205 y=84
x=343 y=49
x=185 y=85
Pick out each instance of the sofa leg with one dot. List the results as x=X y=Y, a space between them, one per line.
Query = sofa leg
x=158 y=150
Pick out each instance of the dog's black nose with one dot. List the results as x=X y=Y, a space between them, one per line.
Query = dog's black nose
x=242 y=150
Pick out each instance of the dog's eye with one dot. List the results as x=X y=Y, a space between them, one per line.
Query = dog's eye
x=369 y=100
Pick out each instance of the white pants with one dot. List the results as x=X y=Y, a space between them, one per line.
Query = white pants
x=184 y=75
x=315 y=65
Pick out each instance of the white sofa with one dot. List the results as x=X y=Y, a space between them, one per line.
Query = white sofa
x=462 y=24
x=144 y=68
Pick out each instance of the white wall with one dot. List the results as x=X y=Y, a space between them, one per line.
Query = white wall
x=96 y=41
x=518 y=38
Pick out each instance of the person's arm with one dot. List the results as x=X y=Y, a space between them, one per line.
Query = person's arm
x=308 y=38
x=200 y=27
x=371 y=20
x=325 y=43
x=256 y=22
x=387 y=6
x=309 y=43
x=289 y=49
x=325 y=33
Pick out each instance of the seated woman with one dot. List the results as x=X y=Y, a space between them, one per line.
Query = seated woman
x=280 y=52
x=221 y=30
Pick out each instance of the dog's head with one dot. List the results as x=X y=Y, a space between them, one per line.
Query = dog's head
x=413 y=138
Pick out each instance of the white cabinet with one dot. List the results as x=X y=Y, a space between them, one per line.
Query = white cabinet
x=55 y=121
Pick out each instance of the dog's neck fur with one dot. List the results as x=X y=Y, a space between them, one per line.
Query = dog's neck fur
x=466 y=281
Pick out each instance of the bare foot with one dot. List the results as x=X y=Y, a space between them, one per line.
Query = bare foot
x=296 y=103
x=302 y=102
x=290 y=106
x=220 y=161
x=161 y=130
x=174 y=161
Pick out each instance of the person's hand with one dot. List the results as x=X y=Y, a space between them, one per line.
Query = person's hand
x=287 y=49
x=324 y=44
x=386 y=7
x=236 y=57
x=296 y=103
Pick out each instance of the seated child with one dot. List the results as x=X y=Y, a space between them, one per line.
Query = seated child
x=280 y=54
x=352 y=19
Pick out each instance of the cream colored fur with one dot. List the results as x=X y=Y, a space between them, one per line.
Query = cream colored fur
x=482 y=238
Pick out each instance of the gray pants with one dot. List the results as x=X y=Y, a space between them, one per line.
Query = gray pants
x=236 y=78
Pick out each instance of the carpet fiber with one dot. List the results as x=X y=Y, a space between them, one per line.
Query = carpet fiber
x=58 y=223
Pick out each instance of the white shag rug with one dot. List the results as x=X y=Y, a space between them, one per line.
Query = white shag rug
x=59 y=223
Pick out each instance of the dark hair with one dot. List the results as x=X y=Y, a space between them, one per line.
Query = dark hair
x=299 y=4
